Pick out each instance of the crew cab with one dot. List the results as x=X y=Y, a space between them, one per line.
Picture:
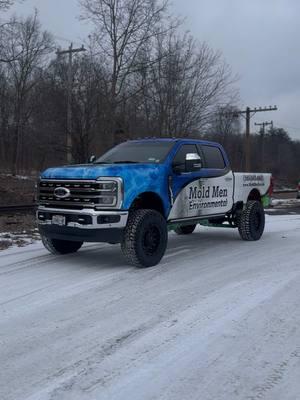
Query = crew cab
x=141 y=189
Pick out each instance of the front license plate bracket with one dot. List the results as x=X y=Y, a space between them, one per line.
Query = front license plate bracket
x=59 y=220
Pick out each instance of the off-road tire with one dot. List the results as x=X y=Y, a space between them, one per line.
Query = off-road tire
x=57 y=246
x=145 y=238
x=185 y=229
x=251 y=221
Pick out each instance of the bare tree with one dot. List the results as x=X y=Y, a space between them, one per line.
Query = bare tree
x=5 y=4
x=122 y=28
x=225 y=122
x=5 y=27
x=89 y=105
x=5 y=113
x=25 y=50
x=184 y=87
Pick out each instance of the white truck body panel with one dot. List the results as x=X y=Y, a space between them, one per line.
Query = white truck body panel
x=216 y=196
x=244 y=183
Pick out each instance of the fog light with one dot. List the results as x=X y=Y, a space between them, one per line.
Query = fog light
x=108 y=219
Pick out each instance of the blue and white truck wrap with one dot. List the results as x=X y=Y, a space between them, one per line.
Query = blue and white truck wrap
x=139 y=190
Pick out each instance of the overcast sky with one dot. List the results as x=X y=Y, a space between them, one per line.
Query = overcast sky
x=260 y=40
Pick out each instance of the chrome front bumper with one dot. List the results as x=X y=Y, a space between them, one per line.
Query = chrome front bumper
x=86 y=218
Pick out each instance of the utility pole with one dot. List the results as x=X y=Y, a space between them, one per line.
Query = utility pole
x=70 y=52
x=262 y=133
x=263 y=125
x=248 y=114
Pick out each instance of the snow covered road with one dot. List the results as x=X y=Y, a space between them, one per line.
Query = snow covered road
x=218 y=319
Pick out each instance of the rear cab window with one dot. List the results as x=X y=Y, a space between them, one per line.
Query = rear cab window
x=213 y=157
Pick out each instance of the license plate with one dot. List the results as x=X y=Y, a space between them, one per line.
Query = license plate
x=58 y=220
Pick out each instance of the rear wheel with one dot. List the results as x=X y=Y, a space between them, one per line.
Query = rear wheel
x=185 y=230
x=251 y=221
x=57 y=246
x=145 y=238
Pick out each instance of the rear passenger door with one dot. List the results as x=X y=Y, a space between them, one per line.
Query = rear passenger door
x=207 y=192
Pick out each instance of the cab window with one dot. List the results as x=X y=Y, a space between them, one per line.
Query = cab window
x=213 y=157
x=180 y=157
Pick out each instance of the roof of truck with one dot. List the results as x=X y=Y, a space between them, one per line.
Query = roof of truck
x=183 y=140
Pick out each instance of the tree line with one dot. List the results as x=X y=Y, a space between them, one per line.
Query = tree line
x=140 y=76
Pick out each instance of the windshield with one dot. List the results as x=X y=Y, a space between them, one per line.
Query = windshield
x=137 y=152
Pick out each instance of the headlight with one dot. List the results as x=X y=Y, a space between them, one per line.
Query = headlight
x=108 y=200
x=110 y=192
x=110 y=186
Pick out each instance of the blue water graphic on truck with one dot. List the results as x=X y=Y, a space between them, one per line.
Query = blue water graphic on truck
x=137 y=178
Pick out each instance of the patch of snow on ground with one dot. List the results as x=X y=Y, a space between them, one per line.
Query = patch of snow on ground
x=21 y=177
x=285 y=202
x=8 y=239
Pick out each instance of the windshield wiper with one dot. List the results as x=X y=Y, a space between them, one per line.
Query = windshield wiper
x=126 y=162
x=116 y=162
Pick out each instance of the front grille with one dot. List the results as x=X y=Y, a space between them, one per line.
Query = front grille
x=83 y=194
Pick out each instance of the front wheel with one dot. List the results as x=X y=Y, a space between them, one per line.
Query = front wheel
x=251 y=221
x=57 y=246
x=145 y=238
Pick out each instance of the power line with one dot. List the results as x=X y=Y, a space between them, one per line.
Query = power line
x=297 y=128
x=64 y=39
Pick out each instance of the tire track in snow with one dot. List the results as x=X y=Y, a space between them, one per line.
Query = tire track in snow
x=275 y=377
x=25 y=295
x=66 y=378
x=46 y=258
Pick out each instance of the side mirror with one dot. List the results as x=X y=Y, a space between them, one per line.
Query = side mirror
x=193 y=162
x=92 y=159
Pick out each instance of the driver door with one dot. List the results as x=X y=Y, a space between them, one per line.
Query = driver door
x=182 y=177
x=195 y=192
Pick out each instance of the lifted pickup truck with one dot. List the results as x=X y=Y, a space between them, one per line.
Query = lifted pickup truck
x=140 y=189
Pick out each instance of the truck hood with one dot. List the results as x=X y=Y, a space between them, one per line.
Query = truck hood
x=90 y=171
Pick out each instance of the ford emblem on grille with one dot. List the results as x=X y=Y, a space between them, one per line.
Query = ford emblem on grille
x=62 y=193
